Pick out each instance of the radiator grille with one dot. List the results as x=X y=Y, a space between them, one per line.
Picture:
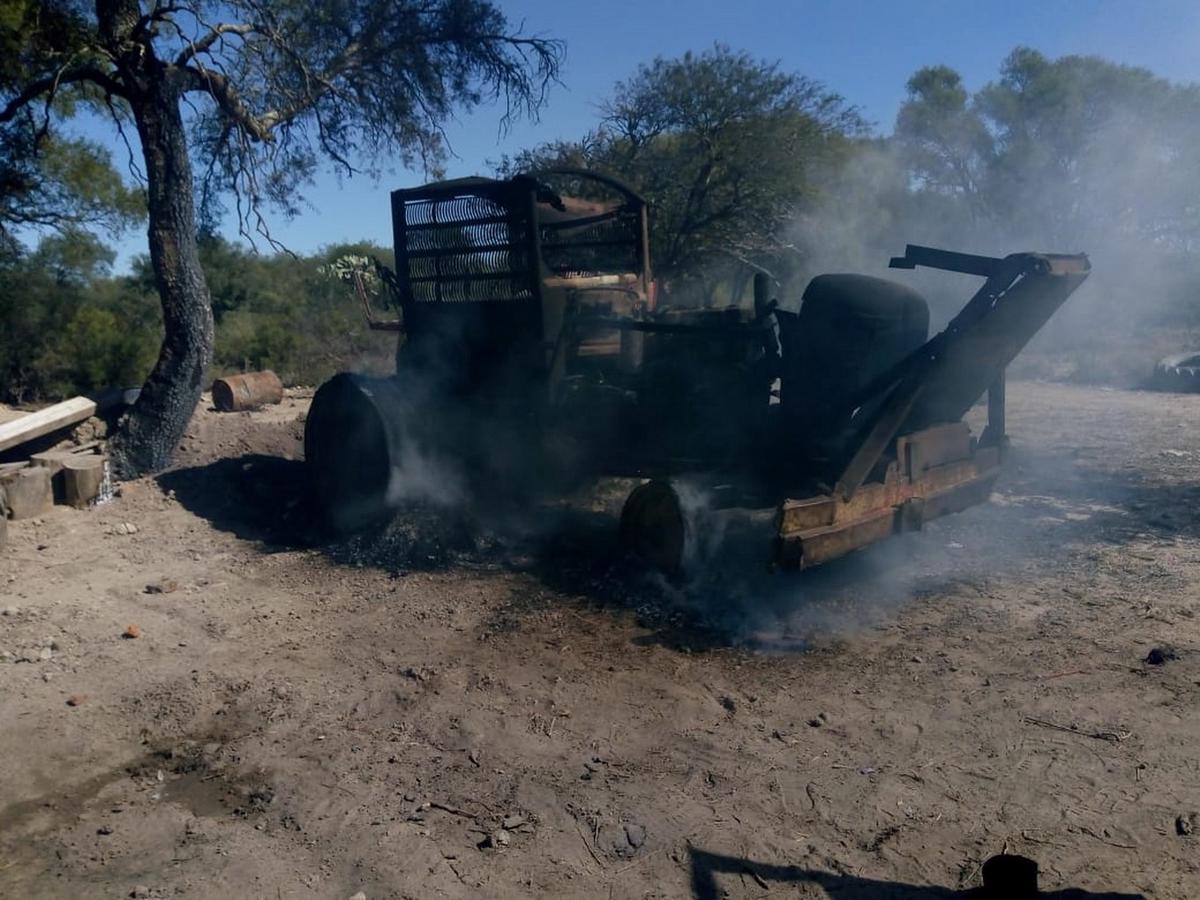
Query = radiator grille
x=467 y=249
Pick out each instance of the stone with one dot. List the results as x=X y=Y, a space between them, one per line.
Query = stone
x=131 y=632
x=636 y=835
x=90 y=430
x=1161 y=655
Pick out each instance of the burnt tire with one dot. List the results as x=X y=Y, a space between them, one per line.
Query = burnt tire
x=654 y=527
x=1179 y=373
x=350 y=439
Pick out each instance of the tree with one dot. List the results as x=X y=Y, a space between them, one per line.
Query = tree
x=720 y=143
x=258 y=93
x=945 y=142
x=1087 y=149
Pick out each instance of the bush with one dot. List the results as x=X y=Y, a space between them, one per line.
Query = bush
x=96 y=350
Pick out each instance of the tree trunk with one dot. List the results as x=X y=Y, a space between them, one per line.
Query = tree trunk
x=152 y=430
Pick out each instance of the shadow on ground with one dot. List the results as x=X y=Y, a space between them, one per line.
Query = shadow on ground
x=255 y=497
x=708 y=867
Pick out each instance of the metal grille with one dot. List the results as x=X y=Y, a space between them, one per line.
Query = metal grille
x=467 y=249
x=607 y=243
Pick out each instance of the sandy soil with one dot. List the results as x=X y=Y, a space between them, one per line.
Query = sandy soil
x=481 y=718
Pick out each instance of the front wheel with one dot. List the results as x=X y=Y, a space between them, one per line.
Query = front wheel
x=654 y=527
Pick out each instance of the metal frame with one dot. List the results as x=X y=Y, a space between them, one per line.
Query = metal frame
x=930 y=464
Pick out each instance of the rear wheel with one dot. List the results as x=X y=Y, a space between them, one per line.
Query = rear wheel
x=348 y=447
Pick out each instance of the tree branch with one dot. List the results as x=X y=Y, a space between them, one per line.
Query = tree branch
x=215 y=34
x=50 y=83
x=198 y=78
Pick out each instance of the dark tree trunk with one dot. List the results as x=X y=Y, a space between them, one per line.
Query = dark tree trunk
x=153 y=428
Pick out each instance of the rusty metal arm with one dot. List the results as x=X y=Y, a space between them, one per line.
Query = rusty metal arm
x=610 y=181
x=374 y=324
x=994 y=433
x=947 y=260
x=880 y=434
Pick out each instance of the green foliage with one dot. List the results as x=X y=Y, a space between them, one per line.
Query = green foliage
x=945 y=143
x=1067 y=152
x=96 y=349
x=285 y=313
x=78 y=329
x=246 y=98
x=741 y=162
x=49 y=179
x=71 y=328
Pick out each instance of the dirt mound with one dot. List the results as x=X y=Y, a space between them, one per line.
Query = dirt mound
x=274 y=431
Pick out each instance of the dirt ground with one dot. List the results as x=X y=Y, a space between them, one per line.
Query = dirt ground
x=417 y=716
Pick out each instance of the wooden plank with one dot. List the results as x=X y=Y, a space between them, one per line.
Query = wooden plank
x=811 y=548
x=803 y=515
x=44 y=421
x=932 y=447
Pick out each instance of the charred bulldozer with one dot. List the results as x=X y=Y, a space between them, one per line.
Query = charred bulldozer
x=534 y=354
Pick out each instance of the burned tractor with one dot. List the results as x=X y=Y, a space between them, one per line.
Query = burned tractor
x=534 y=353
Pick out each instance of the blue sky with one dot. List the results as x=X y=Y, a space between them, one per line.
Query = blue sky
x=863 y=49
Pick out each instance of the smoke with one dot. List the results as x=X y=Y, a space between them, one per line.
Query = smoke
x=420 y=476
x=1109 y=165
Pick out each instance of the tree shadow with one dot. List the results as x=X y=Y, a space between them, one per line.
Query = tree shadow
x=706 y=867
x=255 y=497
